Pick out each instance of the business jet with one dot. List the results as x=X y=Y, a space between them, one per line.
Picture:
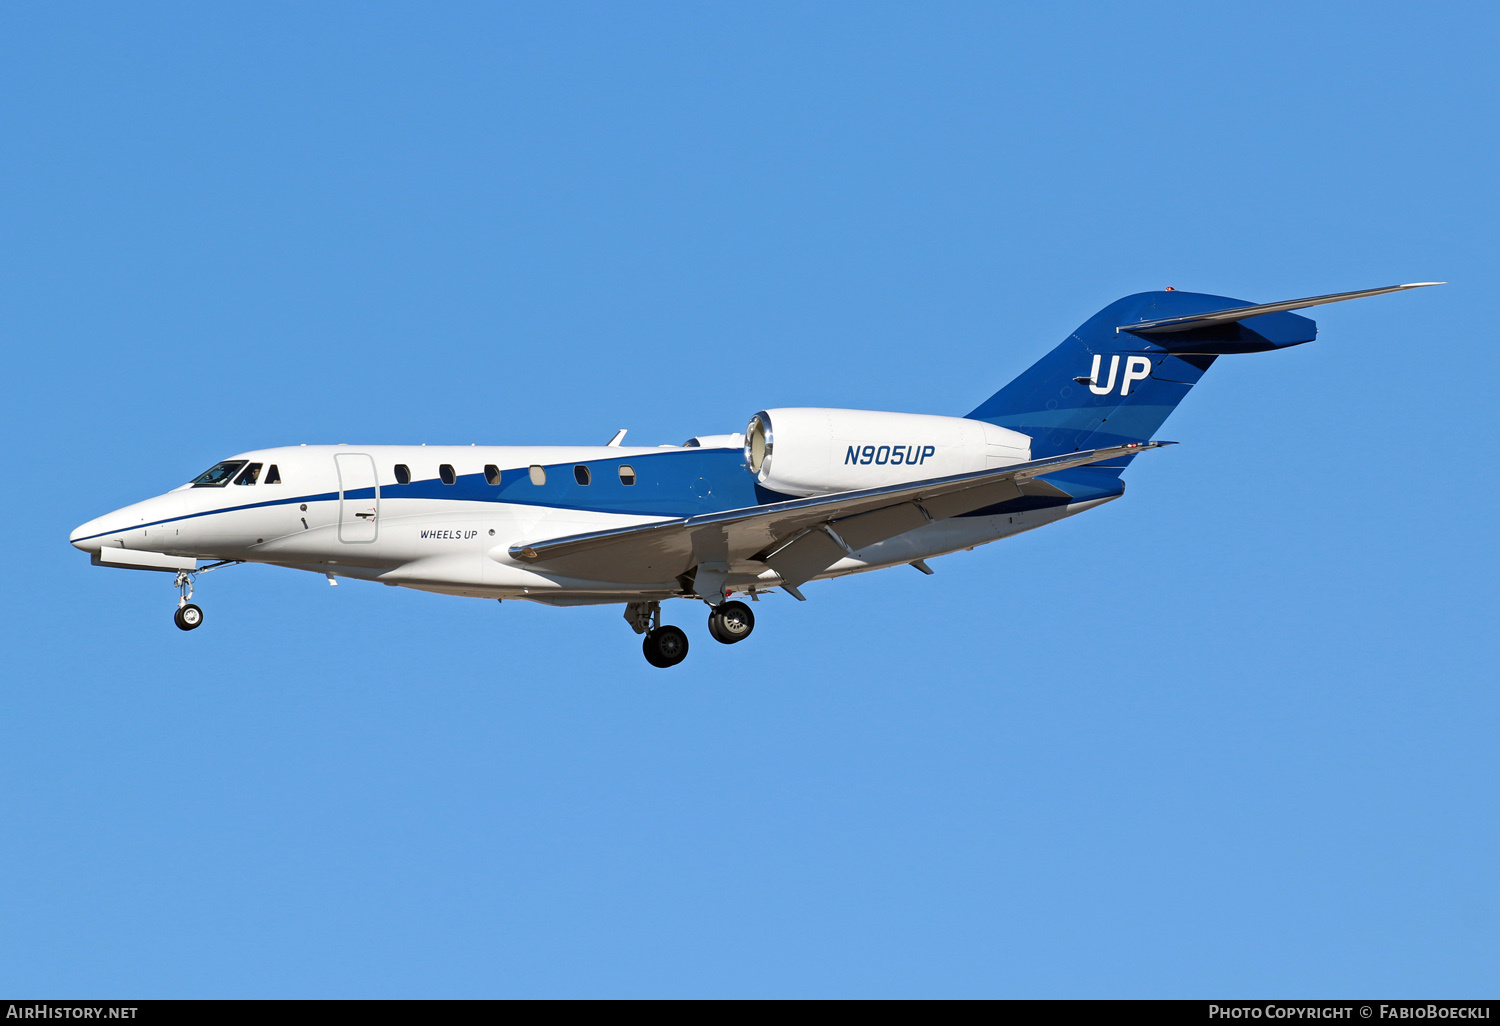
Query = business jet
x=801 y=495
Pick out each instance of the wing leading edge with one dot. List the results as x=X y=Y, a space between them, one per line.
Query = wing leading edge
x=798 y=538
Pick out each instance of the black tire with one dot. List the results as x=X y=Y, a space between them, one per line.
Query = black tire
x=665 y=646
x=731 y=622
x=188 y=617
x=648 y=649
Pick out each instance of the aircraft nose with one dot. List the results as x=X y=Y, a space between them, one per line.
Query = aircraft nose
x=88 y=536
x=128 y=524
x=124 y=522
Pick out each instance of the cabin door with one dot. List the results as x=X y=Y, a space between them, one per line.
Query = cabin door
x=359 y=497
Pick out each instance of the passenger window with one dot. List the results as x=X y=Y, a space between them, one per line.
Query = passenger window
x=446 y=473
x=249 y=475
x=403 y=474
x=492 y=473
x=538 y=475
x=581 y=474
x=273 y=476
x=627 y=474
x=218 y=475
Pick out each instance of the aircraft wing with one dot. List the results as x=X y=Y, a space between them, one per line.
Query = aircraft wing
x=798 y=538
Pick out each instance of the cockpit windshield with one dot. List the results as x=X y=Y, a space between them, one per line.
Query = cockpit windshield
x=218 y=475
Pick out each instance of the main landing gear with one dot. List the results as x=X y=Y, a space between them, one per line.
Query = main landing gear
x=189 y=616
x=662 y=645
x=729 y=622
x=665 y=645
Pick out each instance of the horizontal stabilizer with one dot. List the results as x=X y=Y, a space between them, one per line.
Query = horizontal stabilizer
x=1171 y=325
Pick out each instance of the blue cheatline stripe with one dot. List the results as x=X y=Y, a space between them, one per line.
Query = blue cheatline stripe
x=210 y=512
x=367 y=493
x=679 y=483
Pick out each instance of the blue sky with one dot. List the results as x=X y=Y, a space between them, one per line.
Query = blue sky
x=1233 y=734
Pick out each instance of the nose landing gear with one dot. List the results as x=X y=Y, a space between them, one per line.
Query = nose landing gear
x=188 y=615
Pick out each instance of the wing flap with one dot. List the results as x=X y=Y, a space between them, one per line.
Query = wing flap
x=951 y=504
x=809 y=554
x=878 y=525
x=820 y=547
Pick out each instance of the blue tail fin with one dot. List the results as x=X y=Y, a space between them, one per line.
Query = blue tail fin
x=1109 y=383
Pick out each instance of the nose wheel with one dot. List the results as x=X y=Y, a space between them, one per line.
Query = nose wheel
x=729 y=622
x=189 y=616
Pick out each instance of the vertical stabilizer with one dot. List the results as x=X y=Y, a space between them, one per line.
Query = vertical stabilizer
x=1105 y=385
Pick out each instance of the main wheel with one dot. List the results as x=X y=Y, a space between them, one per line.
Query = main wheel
x=731 y=622
x=665 y=646
x=187 y=617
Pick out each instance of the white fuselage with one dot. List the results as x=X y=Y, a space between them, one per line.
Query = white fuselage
x=342 y=511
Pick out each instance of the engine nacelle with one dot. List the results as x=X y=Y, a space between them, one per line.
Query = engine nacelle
x=812 y=451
